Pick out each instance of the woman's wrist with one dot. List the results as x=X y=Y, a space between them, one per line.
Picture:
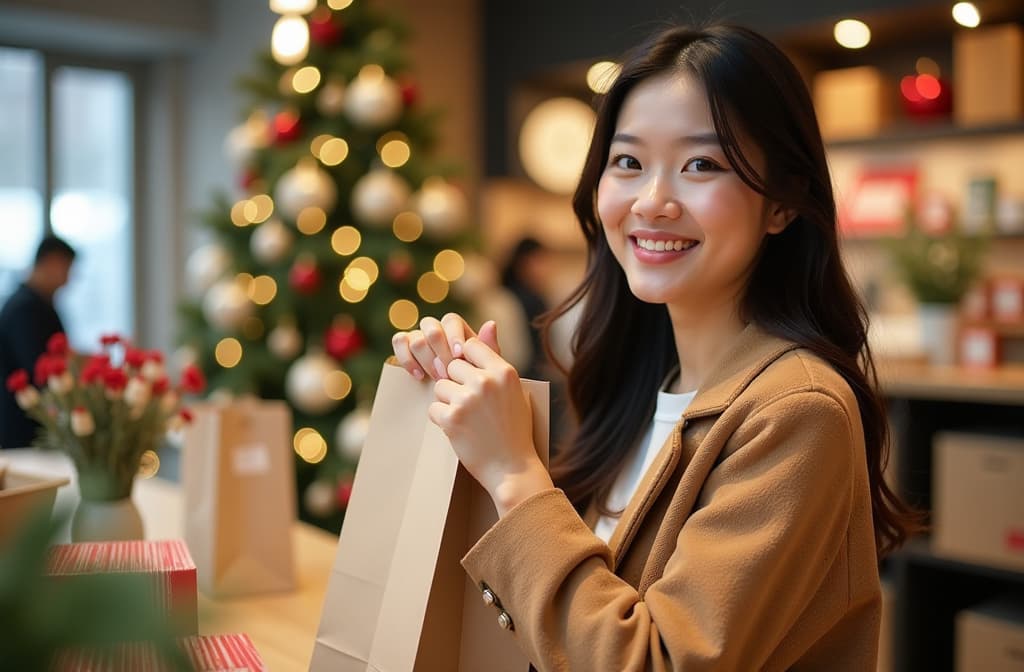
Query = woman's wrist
x=517 y=486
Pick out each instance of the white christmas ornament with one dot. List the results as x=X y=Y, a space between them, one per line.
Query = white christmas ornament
x=305 y=186
x=378 y=196
x=330 y=100
x=271 y=241
x=304 y=383
x=373 y=100
x=351 y=433
x=284 y=341
x=205 y=266
x=243 y=140
x=442 y=207
x=478 y=276
x=226 y=305
x=319 y=499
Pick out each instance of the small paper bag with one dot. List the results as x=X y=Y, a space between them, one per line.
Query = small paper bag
x=398 y=599
x=239 y=484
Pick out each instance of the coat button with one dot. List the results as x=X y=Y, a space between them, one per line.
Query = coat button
x=505 y=621
x=489 y=597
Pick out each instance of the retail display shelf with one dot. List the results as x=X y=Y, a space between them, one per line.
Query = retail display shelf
x=1002 y=385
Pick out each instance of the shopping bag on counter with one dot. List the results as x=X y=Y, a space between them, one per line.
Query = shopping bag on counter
x=238 y=478
x=397 y=599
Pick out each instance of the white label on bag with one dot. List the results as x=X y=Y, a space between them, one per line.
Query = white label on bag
x=251 y=460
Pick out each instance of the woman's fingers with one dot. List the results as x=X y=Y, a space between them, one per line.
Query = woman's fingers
x=403 y=353
x=457 y=331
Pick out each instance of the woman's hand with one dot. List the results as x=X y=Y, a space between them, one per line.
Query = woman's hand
x=481 y=405
x=427 y=351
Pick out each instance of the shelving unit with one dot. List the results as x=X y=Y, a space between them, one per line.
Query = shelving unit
x=929 y=588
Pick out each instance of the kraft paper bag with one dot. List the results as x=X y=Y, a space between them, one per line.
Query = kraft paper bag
x=398 y=600
x=239 y=484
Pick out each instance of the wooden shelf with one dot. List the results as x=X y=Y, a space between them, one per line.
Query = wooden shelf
x=914 y=380
x=919 y=550
x=935 y=130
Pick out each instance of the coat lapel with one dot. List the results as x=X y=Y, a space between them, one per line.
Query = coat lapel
x=753 y=352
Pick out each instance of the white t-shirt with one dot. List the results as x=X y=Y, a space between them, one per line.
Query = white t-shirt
x=666 y=416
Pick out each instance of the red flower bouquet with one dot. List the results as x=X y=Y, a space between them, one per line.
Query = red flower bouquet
x=105 y=410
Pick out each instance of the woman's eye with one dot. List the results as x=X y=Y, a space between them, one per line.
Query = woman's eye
x=701 y=166
x=626 y=162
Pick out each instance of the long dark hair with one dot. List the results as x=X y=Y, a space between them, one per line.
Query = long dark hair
x=798 y=289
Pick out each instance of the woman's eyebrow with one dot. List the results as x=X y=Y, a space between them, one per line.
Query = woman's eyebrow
x=696 y=139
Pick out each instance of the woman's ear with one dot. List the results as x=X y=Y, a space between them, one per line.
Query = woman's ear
x=779 y=218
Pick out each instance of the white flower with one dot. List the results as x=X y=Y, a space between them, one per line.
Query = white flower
x=152 y=370
x=136 y=393
x=81 y=422
x=61 y=384
x=27 y=397
x=169 y=401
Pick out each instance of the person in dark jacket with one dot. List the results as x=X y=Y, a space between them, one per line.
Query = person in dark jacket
x=27 y=320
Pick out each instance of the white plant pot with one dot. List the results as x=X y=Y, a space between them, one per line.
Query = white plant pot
x=938 y=324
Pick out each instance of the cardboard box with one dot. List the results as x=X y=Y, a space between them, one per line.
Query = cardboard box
x=990 y=637
x=852 y=102
x=20 y=496
x=977 y=499
x=988 y=75
x=216 y=653
x=167 y=563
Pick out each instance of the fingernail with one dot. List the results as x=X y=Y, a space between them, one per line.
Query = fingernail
x=439 y=367
x=457 y=349
x=417 y=374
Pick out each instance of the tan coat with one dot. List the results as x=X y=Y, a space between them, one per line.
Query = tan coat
x=748 y=545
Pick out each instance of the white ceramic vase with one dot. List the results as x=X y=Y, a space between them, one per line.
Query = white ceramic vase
x=114 y=520
x=938 y=324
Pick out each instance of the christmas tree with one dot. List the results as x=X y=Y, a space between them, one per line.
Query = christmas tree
x=344 y=230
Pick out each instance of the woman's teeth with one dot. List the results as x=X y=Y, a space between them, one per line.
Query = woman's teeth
x=665 y=245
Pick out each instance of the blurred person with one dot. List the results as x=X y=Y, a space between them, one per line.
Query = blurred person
x=524 y=275
x=27 y=321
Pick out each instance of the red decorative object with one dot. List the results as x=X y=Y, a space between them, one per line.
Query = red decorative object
x=344 y=491
x=304 y=277
x=398 y=267
x=324 y=29
x=343 y=340
x=879 y=202
x=979 y=347
x=287 y=127
x=410 y=93
x=1006 y=299
x=926 y=96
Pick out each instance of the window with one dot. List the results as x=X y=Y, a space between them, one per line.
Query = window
x=75 y=181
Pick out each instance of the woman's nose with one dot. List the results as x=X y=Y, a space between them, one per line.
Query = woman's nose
x=656 y=200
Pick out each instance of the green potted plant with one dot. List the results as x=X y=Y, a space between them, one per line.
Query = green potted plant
x=938 y=267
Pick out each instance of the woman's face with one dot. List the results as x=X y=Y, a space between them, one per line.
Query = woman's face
x=681 y=223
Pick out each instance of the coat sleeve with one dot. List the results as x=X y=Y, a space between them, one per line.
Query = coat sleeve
x=771 y=518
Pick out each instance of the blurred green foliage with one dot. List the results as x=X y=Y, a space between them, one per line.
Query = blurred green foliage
x=42 y=616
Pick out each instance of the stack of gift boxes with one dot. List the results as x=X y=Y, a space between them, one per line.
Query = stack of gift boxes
x=172 y=575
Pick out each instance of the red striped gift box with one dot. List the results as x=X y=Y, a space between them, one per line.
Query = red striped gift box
x=214 y=653
x=167 y=562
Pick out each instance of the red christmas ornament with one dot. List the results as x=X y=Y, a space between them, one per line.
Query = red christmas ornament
x=344 y=491
x=410 y=93
x=343 y=340
x=398 y=267
x=286 y=127
x=304 y=277
x=324 y=29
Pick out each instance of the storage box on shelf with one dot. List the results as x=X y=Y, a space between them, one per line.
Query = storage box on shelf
x=990 y=637
x=977 y=499
x=988 y=68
